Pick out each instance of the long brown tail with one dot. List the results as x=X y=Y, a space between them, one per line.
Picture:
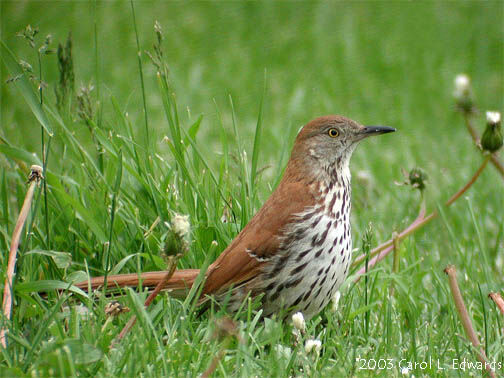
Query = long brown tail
x=180 y=283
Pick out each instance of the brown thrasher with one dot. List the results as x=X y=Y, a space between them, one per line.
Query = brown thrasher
x=296 y=250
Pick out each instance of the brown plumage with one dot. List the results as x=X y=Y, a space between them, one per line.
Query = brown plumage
x=296 y=250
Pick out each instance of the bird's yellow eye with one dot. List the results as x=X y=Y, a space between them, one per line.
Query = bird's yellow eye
x=333 y=133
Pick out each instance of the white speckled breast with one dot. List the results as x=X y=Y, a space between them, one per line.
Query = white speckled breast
x=315 y=255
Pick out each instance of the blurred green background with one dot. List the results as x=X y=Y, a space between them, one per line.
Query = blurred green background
x=377 y=62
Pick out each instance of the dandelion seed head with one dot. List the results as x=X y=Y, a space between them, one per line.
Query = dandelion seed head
x=493 y=117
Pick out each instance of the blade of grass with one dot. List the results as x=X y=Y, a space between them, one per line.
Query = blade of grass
x=140 y=69
x=8 y=295
x=257 y=142
x=116 y=189
x=25 y=87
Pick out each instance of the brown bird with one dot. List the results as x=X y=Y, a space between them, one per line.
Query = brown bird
x=296 y=250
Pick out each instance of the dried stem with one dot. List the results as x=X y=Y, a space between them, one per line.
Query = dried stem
x=384 y=249
x=469 y=183
x=34 y=178
x=496 y=297
x=172 y=264
x=474 y=135
x=464 y=316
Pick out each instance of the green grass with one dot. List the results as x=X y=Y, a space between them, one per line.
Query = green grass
x=243 y=77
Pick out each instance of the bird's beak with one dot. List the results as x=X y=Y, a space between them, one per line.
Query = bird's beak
x=375 y=130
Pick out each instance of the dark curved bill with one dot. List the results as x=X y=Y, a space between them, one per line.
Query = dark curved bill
x=376 y=130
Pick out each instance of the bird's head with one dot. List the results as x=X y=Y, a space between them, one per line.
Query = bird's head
x=330 y=140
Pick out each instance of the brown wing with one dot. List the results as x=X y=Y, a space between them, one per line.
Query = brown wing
x=244 y=258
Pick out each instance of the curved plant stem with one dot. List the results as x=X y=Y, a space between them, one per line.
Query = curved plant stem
x=172 y=264
x=34 y=178
x=469 y=183
x=496 y=297
x=384 y=249
x=464 y=316
x=493 y=157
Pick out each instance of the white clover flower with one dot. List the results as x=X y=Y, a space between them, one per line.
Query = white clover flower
x=462 y=84
x=404 y=371
x=298 y=321
x=313 y=345
x=335 y=301
x=493 y=118
x=181 y=225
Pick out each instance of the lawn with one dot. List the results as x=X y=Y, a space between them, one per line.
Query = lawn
x=116 y=174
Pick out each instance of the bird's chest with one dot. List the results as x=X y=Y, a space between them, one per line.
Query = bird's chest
x=315 y=257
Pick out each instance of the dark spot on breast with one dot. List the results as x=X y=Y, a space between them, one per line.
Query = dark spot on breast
x=333 y=285
x=297 y=235
x=298 y=268
x=296 y=302
x=279 y=266
x=316 y=221
x=302 y=254
x=320 y=241
x=306 y=306
x=270 y=286
x=333 y=260
x=327 y=269
x=293 y=283
x=307 y=295
x=309 y=215
x=280 y=288
x=274 y=296
x=319 y=252
x=313 y=284
x=333 y=201
x=322 y=282
x=320 y=271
